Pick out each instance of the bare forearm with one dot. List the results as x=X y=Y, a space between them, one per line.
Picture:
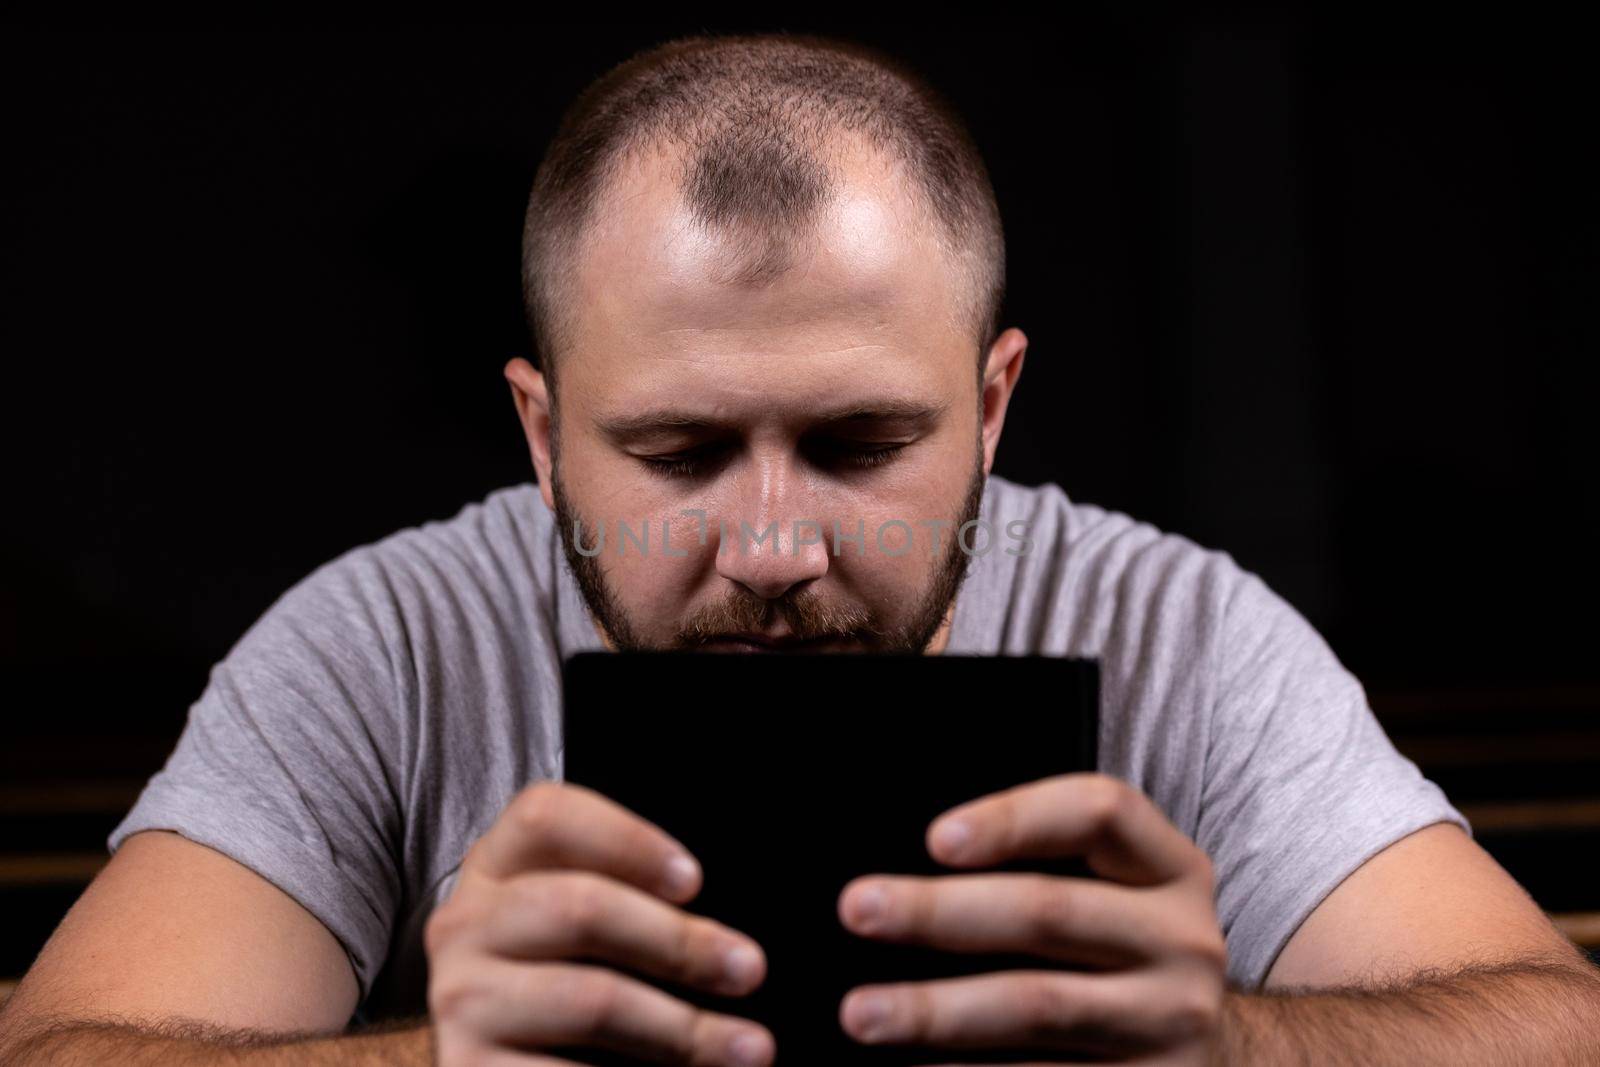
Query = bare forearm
x=1523 y=1013
x=179 y=1045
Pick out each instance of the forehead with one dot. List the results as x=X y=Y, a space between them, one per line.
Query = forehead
x=867 y=296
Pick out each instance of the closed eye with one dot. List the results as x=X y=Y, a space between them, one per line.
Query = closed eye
x=859 y=455
x=850 y=455
x=684 y=465
x=671 y=468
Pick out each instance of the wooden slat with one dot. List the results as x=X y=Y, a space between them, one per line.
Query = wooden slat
x=1520 y=704
x=1578 y=813
x=50 y=868
x=68 y=798
x=1558 y=747
x=1582 y=926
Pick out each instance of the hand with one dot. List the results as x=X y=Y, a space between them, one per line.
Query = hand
x=563 y=873
x=1159 y=959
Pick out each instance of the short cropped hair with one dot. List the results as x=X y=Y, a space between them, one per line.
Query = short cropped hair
x=754 y=119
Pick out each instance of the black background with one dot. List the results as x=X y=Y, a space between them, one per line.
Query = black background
x=1316 y=290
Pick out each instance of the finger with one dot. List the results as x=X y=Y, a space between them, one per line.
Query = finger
x=573 y=1005
x=565 y=825
x=572 y=914
x=1115 y=827
x=1048 y=1010
x=1073 y=920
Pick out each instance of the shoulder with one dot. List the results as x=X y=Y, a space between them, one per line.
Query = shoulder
x=379 y=624
x=1090 y=576
x=487 y=555
x=481 y=545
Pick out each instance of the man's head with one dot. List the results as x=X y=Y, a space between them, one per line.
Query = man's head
x=763 y=277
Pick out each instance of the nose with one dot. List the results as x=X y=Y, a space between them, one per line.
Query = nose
x=776 y=541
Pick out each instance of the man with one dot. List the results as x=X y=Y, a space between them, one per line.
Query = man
x=763 y=277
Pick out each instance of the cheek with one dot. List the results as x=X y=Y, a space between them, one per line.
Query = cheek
x=902 y=541
x=884 y=584
x=615 y=487
x=657 y=585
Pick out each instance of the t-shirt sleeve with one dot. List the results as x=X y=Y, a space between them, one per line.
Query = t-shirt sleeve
x=285 y=762
x=1302 y=785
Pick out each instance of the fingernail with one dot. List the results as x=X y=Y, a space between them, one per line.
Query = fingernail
x=869 y=906
x=740 y=965
x=952 y=836
x=868 y=1014
x=681 y=871
x=749 y=1049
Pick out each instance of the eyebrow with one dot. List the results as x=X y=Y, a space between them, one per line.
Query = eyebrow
x=655 y=422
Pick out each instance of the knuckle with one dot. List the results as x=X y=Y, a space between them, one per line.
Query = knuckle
x=691 y=949
x=577 y=902
x=705 y=1033
x=439 y=930
x=1054 y=912
x=1205 y=869
x=444 y=925
x=451 y=994
x=1043 y=1008
x=912 y=907
x=1194 y=1012
x=915 y=1003
x=1209 y=951
x=535 y=809
x=591 y=997
x=1195 y=941
x=1107 y=798
x=531 y=892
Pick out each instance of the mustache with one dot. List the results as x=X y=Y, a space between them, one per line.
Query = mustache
x=806 y=614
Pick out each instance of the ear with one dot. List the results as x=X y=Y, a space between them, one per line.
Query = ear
x=1001 y=370
x=529 y=394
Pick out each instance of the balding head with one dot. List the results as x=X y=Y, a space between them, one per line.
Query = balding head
x=756 y=136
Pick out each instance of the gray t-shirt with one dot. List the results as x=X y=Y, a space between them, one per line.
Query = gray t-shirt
x=379 y=715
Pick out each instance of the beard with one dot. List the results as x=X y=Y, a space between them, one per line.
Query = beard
x=807 y=615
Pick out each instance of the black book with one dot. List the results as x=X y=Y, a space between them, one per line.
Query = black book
x=788 y=776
